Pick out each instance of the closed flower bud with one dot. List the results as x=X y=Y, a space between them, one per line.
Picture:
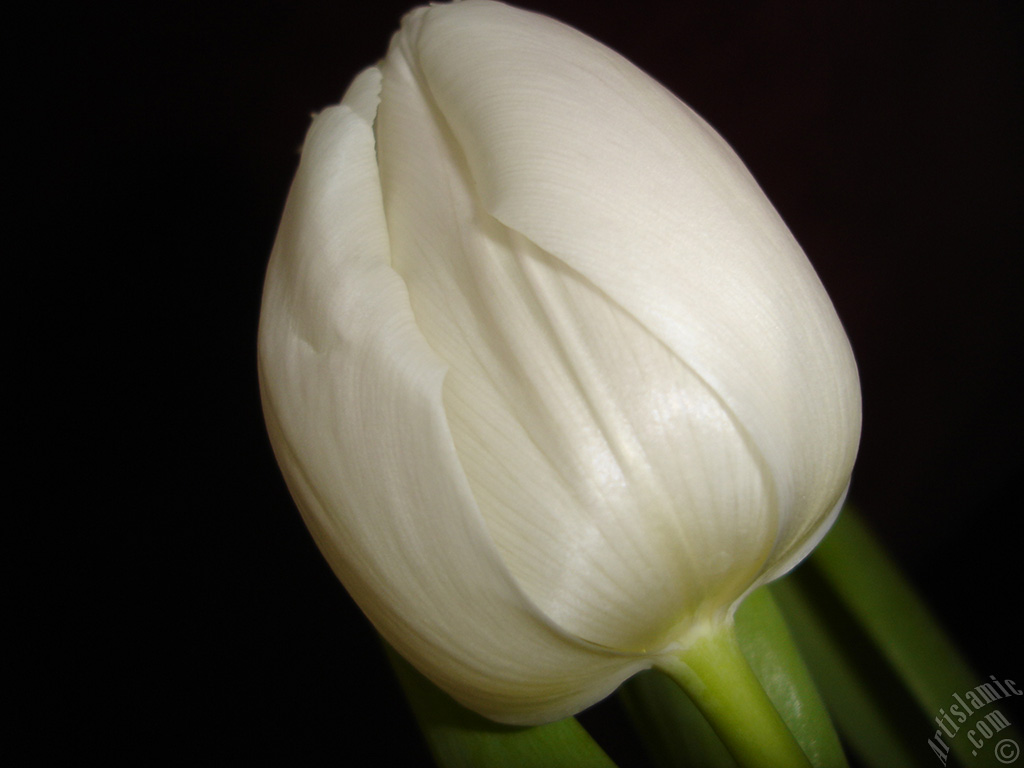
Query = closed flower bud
x=550 y=381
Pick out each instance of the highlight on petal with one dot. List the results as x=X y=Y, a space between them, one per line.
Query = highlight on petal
x=585 y=155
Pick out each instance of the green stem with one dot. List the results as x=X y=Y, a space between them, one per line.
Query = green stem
x=717 y=677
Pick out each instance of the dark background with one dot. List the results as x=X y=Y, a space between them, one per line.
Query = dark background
x=184 y=609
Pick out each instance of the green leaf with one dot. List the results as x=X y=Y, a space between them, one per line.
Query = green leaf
x=874 y=719
x=677 y=734
x=766 y=642
x=458 y=738
x=885 y=666
x=672 y=728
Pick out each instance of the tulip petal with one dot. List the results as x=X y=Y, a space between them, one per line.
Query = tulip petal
x=618 y=487
x=584 y=155
x=351 y=394
x=458 y=738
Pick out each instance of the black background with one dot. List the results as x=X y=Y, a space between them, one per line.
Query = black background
x=182 y=608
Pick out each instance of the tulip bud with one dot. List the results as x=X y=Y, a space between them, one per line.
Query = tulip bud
x=550 y=381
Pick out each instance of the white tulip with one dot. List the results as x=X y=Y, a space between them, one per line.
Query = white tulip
x=552 y=384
